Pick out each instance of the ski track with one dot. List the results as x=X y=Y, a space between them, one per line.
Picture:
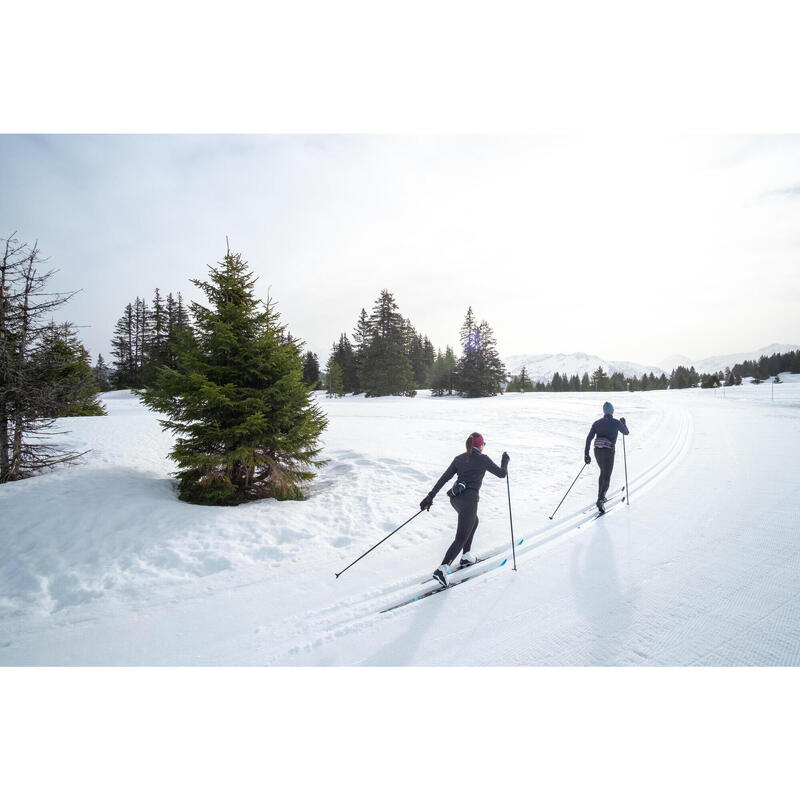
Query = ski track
x=361 y=613
x=702 y=568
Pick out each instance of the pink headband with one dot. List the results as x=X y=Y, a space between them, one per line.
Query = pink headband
x=477 y=441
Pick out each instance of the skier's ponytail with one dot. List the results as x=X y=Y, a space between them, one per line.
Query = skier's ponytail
x=473 y=440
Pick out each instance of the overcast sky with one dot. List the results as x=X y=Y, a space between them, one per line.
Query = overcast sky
x=629 y=248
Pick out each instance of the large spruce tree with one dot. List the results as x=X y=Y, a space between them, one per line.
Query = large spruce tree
x=246 y=424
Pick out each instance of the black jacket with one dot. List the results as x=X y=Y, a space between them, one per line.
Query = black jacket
x=470 y=469
x=606 y=428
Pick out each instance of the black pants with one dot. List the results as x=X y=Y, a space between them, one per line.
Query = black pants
x=466 y=504
x=605 y=460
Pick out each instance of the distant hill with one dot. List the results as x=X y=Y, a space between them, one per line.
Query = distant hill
x=717 y=363
x=542 y=366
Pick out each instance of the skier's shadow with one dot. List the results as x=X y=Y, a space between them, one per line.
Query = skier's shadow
x=399 y=652
x=600 y=599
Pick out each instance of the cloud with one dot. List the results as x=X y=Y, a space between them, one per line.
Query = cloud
x=631 y=247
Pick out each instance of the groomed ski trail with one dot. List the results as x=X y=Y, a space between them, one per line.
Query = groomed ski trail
x=364 y=612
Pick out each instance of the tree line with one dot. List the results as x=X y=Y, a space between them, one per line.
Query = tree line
x=680 y=378
x=598 y=381
x=144 y=339
x=387 y=356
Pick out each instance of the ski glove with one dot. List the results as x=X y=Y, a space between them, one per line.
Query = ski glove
x=426 y=503
x=622 y=420
x=505 y=459
x=587 y=458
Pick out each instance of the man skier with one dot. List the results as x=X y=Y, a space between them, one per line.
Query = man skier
x=606 y=430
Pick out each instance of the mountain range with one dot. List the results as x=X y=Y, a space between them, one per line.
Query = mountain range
x=541 y=366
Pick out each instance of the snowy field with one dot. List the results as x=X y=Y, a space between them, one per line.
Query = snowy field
x=100 y=564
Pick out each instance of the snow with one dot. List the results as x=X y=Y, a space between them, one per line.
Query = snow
x=100 y=564
x=541 y=367
x=717 y=363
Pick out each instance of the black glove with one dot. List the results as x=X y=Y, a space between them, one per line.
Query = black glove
x=622 y=420
x=505 y=459
x=426 y=503
x=587 y=458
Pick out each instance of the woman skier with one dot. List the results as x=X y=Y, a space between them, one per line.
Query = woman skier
x=469 y=467
x=606 y=430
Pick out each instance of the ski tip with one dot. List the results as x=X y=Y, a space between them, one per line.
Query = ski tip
x=502 y=562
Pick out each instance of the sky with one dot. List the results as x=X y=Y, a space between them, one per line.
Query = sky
x=628 y=247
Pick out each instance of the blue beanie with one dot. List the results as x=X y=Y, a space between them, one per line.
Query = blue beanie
x=608 y=408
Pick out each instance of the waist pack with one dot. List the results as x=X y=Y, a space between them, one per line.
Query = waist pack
x=457 y=488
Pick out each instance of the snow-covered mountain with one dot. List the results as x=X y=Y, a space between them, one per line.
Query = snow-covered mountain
x=716 y=363
x=542 y=366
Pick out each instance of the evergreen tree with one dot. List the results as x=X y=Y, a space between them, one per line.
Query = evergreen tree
x=600 y=380
x=122 y=350
x=62 y=363
x=586 y=386
x=480 y=372
x=386 y=368
x=443 y=374
x=521 y=382
x=334 y=380
x=32 y=390
x=311 y=370
x=362 y=336
x=246 y=423
x=155 y=346
x=344 y=356
x=102 y=374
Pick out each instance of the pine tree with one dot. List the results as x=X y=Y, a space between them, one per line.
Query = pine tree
x=362 y=336
x=155 y=346
x=334 y=380
x=311 y=370
x=246 y=424
x=443 y=373
x=600 y=380
x=480 y=372
x=30 y=388
x=520 y=383
x=61 y=362
x=386 y=368
x=122 y=350
x=102 y=374
x=343 y=354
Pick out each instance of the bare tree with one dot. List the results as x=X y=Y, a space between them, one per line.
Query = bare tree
x=27 y=403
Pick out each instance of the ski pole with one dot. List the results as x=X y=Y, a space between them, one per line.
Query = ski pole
x=511 y=520
x=627 y=488
x=380 y=542
x=568 y=490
